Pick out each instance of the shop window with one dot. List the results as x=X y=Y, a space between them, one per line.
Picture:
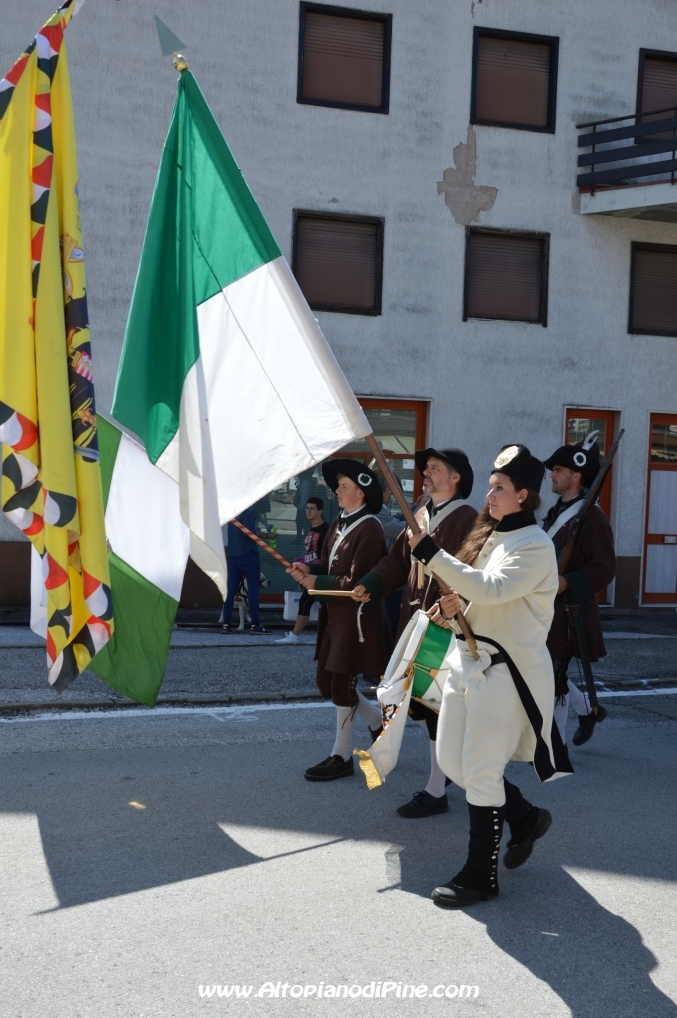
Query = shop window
x=338 y=262
x=514 y=80
x=344 y=58
x=659 y=584
x=656 y=90
x=653 y=290
x=399 y=426
x=506 y=276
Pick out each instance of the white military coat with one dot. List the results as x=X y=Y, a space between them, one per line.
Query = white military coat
x=511 y=587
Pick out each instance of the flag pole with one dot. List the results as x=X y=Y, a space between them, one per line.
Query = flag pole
x=394 y=486
x=262 y=544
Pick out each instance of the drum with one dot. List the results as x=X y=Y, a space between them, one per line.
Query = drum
x=427 y=664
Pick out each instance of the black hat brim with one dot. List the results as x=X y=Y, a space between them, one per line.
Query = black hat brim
x=456 y=459
x=354 y=469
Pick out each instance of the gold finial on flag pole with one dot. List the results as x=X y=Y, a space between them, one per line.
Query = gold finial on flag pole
x=171 y=44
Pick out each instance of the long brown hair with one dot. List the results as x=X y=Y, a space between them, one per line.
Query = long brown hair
x=485 y=524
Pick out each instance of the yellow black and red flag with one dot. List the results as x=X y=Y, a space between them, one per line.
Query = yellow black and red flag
x=51 y=480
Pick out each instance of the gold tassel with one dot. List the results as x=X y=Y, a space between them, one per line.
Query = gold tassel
x=368 y=768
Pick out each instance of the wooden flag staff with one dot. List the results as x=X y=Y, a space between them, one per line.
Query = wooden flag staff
x=394 y=486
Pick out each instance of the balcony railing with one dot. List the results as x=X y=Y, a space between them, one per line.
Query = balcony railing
x=635 y=144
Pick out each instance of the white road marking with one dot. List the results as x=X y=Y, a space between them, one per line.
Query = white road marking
x=237 y=713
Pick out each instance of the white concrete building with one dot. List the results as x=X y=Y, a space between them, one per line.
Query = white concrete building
x=466 y=122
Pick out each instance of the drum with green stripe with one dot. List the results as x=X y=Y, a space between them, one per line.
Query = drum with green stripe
x=429 y=657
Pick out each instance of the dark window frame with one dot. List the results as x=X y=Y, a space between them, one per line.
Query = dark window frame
x=378 y=268
x=498 y=33
x=654 y=54
x=346 y=12
x=545 y=272
x=637 y=245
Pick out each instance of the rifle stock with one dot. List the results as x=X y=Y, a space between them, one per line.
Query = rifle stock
x=567 y=553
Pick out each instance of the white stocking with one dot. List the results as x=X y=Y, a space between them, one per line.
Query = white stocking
x=345 y=722
x=437 y=779
x=560 y=714
x=579 y=702
x=371 y=712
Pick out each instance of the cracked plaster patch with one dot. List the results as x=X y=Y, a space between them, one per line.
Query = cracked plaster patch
x=465 y=199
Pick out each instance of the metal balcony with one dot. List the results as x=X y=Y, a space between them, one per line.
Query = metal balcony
x=630 y=166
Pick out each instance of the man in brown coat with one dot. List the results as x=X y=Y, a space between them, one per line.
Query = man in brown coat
x=573 y=468
x=350 y=637
x=447 y=481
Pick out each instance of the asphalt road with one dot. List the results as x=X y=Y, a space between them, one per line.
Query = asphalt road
x=143 y=855
x=642 y=647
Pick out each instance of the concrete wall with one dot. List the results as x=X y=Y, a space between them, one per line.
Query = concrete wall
x=488 y=382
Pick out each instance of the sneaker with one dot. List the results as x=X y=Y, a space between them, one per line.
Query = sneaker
x=330 y=769
x=291 y=637
x=259 y=629
x=586 y=725
x=424 y=804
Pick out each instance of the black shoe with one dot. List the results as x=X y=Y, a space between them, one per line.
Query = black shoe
x=586 y=725
x=374 y=733
x=424 y=804
x=227 y=628
x=452 y=896
x=519 y=851
x=330 y=769
x=259 y=629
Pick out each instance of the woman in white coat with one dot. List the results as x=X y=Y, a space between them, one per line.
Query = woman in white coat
x=500 y=707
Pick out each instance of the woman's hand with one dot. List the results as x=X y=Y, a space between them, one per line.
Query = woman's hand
x=450 y=605
x=415 y=539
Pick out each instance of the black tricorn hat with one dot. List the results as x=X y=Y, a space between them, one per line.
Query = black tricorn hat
x=363 y=477
x=517 y=462
x=582 y=458
x=456 y=459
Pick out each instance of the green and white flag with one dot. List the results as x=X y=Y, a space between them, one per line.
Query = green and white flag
x=224 y=375
x=148 y=554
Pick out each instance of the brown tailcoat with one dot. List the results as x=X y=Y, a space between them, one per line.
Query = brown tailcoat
x=357 y=554
x=591 y=571
x=398 y=569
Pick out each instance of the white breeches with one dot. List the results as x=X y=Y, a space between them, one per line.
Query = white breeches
x=481 y=724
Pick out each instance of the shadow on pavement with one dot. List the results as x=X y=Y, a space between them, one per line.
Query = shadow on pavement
x=122 y=821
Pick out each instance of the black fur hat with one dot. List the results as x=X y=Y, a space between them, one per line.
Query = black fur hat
x=581 y=458
x=517 y=462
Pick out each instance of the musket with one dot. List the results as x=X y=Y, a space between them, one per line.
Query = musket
x=567 y=553
x=564 y=563
x=394 y=486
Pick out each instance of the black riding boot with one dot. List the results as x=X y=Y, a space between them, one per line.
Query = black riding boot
x=478 y=879
x=527 y=824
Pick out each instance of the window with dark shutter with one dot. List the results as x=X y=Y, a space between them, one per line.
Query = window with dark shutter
x=514 y=80
x=657 y=90
x=653 y=290
x=337 y=262
x=344 y=58
x=506 y=276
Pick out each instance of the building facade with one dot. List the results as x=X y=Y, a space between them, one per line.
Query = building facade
x=485 y=269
